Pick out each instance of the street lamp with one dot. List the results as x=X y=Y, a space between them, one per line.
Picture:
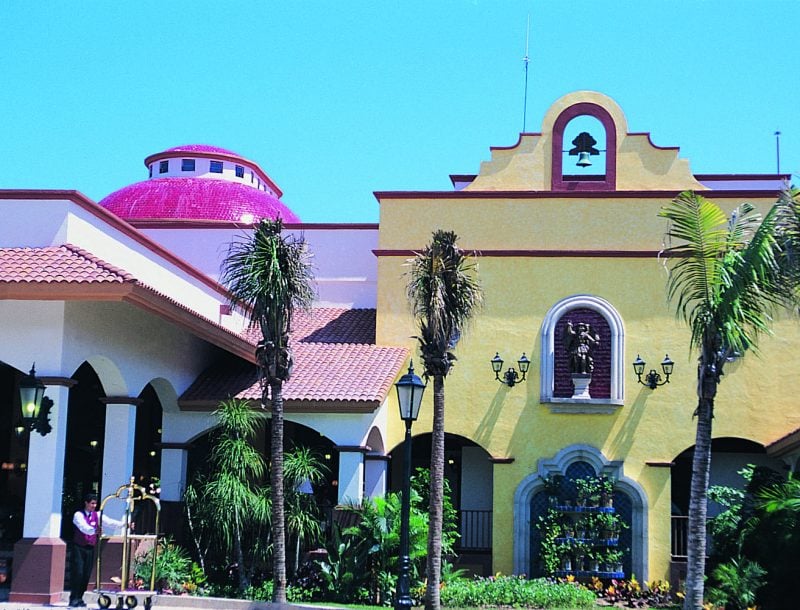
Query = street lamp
x=653 y=379
x=34 y=404
x=409 y=396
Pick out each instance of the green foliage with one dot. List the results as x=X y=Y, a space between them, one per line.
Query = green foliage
x=175 y=572
x=362 y=563
x=515 y=591
x=302 y=466
x=737 y=583
x=421 y=485
x=230 y=503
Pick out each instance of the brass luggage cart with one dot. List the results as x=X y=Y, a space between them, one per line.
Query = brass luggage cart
x=127 y=596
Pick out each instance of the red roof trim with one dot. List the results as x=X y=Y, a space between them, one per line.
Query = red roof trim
x=720 y=194
x=116 y=222
x=179 y=223
x=177 y=154
x=540 y=253
x=743 y=176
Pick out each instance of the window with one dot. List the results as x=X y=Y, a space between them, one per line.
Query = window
x=187 y=165
x=216 y=167
x=150 y=167
x=252 y=177
x=239 y=171
x=163 y=167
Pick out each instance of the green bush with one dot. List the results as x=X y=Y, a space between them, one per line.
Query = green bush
x=175 y=572
x=515 y=591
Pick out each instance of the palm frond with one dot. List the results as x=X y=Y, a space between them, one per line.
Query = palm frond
x=444 y=294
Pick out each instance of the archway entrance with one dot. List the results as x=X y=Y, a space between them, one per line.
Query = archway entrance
x=13 y=462
x=469 y=472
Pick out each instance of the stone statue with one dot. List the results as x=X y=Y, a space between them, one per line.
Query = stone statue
x=580 y=345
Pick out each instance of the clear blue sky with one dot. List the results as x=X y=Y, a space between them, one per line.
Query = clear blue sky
x=336 y=100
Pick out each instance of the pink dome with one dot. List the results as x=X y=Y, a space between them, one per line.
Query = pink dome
x=195 y=199
x=205 y=148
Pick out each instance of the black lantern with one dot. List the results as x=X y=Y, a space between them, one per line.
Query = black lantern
x=34 y=404
x=653 y=379
x=409 y=395
x=511 y=377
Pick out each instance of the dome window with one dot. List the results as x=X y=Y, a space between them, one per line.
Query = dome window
x=239 y=171
x=216 y=167
x=163 y=167
x=187 y=165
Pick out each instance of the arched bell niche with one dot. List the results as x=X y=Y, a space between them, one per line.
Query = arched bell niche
x=573 y=140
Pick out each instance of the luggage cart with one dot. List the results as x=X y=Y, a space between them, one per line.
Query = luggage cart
x=126 y=596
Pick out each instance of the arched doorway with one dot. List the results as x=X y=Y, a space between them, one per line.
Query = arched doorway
x=147 y=445
x=13 y=460
x=83 y=456
x=469 y=472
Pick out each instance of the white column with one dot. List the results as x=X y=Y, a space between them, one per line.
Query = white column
x=46 y=466
x=375 y=467
x=120 y=436
x=351 y=474
x=173 y=471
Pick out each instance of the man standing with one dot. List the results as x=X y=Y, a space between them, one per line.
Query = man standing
x=83 y=544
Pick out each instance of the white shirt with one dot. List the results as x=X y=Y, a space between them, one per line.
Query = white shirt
x=79 y=521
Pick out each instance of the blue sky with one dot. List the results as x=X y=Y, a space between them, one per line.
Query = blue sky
x=336 y=100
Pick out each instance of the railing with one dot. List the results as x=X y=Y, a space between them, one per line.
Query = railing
x=475 y=527
x=680 y=536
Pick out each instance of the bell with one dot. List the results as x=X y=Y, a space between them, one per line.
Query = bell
x=583 y=160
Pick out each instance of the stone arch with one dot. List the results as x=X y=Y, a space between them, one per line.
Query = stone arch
x=166 y=393
x=109 y=374
x=558 y=464
x=547 y=360
x=375 y=441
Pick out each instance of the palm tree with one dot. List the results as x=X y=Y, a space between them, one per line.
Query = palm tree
x=269 y=276
x=726 y=281
x=444 y=294
x=232 y=499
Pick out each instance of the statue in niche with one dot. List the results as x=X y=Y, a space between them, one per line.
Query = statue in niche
x=580 y=344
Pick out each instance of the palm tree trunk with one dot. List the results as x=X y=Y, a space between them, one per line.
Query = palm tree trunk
x=276 y=483
x=698 y=504
x=434 y=566
x=244 y=581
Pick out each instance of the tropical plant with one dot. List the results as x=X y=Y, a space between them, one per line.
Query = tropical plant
x=421 y=485
x=725 y=281
x=302 y=468
x=444 y=294
x=516 y=592
x=230 y=503
x=173 y=569
x=738 y=582
x=269 y=276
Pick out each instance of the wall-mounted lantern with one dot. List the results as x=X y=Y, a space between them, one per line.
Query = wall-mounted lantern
x=34 y=404
x=511 y=377
x=653 y=379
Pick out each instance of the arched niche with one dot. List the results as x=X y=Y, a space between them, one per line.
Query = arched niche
x=616 y=376
x=533 y=484
x=560 y=182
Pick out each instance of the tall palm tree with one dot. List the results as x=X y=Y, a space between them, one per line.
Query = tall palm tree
x=444 y=294
x=726 y=281
x=269 y=276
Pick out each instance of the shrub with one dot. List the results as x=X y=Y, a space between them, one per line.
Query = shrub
x=515 y=591
x=175 y=572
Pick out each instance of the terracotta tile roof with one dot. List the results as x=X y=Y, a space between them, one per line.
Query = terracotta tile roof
x=337 y=367
x=55 y=264
x=67 y=271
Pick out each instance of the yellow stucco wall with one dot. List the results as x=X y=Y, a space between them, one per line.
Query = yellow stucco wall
x=755 y=400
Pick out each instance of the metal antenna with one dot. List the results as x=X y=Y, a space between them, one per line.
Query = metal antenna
x=778 y=149
x=526 y=60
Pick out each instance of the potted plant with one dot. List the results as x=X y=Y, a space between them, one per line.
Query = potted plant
x=593 y=556
x=613 y=560
x=606 y=485
x=552 y=487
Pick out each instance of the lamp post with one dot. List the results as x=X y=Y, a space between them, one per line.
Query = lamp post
x=510 y=377
x=409 y=396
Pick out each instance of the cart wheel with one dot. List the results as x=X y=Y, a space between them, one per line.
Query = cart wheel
x=131 y=601
x=104 y=601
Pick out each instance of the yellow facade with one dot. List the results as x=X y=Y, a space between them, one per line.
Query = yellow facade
x=537 y=246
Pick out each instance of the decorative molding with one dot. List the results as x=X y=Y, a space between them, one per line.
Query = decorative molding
x=501 y=460
x=547 y=362
x=612 y=195
x=121 y=400
x=660 y=464
x=353 y=448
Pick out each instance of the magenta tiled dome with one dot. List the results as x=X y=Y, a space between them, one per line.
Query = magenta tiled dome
x=195 y=199
x=218 y=184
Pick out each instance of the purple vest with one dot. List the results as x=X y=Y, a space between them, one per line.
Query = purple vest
x=83 y=539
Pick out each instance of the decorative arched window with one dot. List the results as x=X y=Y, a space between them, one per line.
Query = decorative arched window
x=587 y=143
x=606 y=389
x=577 y=461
